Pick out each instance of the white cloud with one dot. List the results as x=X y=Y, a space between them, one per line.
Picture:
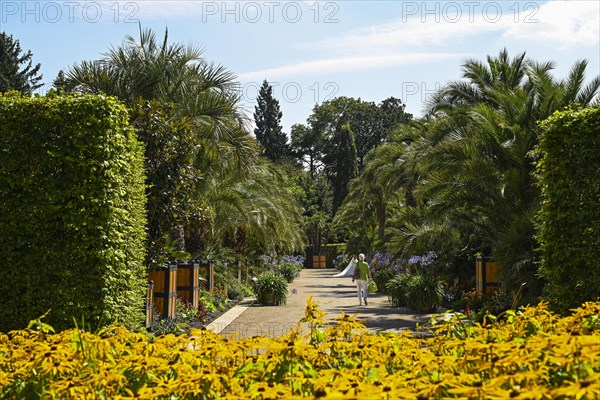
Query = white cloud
x=558 y=23
x=344 y=64
x=564 y=23
x=413 y=30
x=409 y=40
x=442 y=24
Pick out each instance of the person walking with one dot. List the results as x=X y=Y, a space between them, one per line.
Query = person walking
x=362 y=274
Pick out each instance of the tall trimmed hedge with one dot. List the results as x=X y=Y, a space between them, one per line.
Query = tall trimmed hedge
x=569 y=219
x=71 y=212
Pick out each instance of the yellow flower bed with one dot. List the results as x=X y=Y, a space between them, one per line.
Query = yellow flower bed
x=532 y=354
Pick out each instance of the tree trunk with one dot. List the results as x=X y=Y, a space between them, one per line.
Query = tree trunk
x=241 y=240
x=178 y=235
x=410 y=199
x=381 y=219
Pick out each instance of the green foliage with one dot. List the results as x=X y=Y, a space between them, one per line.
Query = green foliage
x=210 y=302
x=396 y=289
x=569 y=220
x=184 y=316
x=184 y=311
x=460 y=180
x=306 y=146
x=60 y=83
x=496 y=304
x=268 y=131
x=382 y=276
x=380 y=193
x=370 y=122
x=16 y=69
x=226 y=276
x=38 y=325
x=203 y=166
x=331 y=252
x=71 y=212
x=327 y=149
x=289 y=271
x=237 y=290
x=255 y=212
x=420 y=292
x=225 y=273
x=346 y=164
x=170 y=153
x=317 y=210
x=424 y=293
x=270 y=288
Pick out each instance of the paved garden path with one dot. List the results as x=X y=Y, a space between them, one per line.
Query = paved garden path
x=333 y=295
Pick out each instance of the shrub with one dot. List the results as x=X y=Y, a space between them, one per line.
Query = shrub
x=382 y=276
x=569 y=219
x=72 y=219
x=396 y=289
x=495 y=304
x=424 y=293
x=270 y=288
x=420 y=292
x=184 y=315
x=237 y=291
x=218 y=298
x=288 y=271
x=473 y=300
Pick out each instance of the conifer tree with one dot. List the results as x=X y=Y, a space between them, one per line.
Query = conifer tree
x=61 y=83
x=16 y=69
x=346 y=164
x=268 y=131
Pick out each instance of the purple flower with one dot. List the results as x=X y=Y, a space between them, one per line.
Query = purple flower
x=423 y=261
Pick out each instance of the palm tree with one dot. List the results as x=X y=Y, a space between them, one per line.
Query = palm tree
x=147 y=69
x=466 y=170
x=479 y=180
x=385 y=184
x=256 y=207
x=480 y=161
x=482 y=83
x=361 y=215
x=174 y=93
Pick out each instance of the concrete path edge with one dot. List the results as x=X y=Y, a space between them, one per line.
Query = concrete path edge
x=230 y=315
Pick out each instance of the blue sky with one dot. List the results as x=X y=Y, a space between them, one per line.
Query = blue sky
x=311 y=51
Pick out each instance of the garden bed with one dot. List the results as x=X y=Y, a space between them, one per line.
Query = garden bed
x=533 y=353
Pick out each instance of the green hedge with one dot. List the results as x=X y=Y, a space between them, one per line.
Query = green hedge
x=569 y=219
x=71 y=212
